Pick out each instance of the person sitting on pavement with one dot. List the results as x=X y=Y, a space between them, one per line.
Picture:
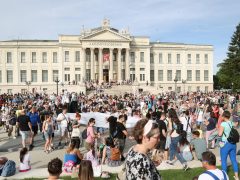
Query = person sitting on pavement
x=24 y=160
x=198 y=144
x=212 y=172
x=73 y=154
x=54 y=169
x=184 y=147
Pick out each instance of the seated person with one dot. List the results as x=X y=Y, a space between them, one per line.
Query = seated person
x=3 y=160
x=185 y=148
x=107 y=156
x=198 y=144
x=72 y=157
x=54 y=169
x=24 y=160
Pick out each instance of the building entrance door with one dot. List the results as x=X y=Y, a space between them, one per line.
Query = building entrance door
x=105 y=75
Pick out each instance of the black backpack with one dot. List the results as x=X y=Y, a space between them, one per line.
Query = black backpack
x=179 y=129
x=233 y=137
x=69 y=126
x=84 y=134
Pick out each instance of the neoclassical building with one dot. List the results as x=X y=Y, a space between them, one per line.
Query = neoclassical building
x=104 y=54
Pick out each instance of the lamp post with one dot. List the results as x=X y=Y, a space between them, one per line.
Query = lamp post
x=28 y=83
x=57 y=81
x=184 y=82
x=175 y=81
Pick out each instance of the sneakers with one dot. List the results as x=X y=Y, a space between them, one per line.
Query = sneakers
x=185 y=167
x=169 y=162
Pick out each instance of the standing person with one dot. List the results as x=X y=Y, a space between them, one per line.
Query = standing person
x=121 y=135
x=186 y=120
x=91 y=135
x=138 y=164
x=63 y=119
x=24 y=124
x=227 y=148
x=24 y=160
x=212 y=172
x=163 y=132
x=48 y=130
x=12 y=125
x=211 y=127
x=75 y=136
x=35 y=122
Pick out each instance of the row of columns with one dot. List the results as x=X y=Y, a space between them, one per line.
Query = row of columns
x=100 y=63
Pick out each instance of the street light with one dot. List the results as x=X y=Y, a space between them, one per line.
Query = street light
x=57 y=81
x=184 y=82
x=28 y=83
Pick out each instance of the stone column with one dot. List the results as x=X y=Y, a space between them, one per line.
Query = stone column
x=111 y=65
x=83 y=59
x=92 y=65
x=119 y=76
x=100 y=61
x=127 y=73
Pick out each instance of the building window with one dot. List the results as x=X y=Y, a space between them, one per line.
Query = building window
x=34 y=75
x=67 y=77
x=169 y=75
x=189 y=58
x=88 y=56
x=9 y=57
x=66 y=69
x=178 y=89
x=178 y=59
x=141 y=56
x=169 y=59
x=206 y=58
x=9 y=91
x=55 y=58
x=123 y=74
x=198 y=88
x=23 y=57
x=151 y=75
x=132 y=57
x=34 y=57
x=123 y=57
x=77 y=56
x=0 y=76
x=178 y=75
x=160 y=75
x=142 y=77
x=77 y=69
x=77 y=77
x=66 y=56
x=169 y=88
x=197 y=75
x=142 y=69
x=206 y=89
x=55 y=75
x=114 y=56
x=9 y=76
x=206 y=75
x=23 y=76
x=44 y=75
x=189 y=75
x=151 y=58
x=44 y=57
x=160 y=60
x=132 y=77
x=88 y=74
x=197 y=58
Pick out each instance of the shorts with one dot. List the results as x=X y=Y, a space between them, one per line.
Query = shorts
x=47 y=135
x=35 y=129
x=25 y=134
x=63 y=131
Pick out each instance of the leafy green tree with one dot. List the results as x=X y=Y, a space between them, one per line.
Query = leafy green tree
x=229 y=70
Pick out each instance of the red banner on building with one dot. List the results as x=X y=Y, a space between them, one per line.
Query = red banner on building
x=106 y=57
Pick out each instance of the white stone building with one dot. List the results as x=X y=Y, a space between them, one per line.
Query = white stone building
x=104 y=54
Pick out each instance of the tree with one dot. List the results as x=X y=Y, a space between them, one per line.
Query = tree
x=229 y=70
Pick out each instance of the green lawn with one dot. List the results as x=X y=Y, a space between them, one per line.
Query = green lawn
x=167 y=174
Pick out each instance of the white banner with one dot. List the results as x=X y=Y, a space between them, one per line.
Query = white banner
x=101 y=119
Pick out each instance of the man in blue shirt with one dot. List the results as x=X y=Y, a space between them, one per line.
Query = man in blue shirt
x=35 y=122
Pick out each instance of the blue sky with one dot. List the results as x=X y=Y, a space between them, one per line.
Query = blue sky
x=187 y=21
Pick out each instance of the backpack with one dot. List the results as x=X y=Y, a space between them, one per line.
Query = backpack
x=84 y=134
x=179 y=129
x=9 y=169
x=69 y=126
x=68 y=166
x=115 y=154
x=13 y=121
x=214 y=176
x=233 y=137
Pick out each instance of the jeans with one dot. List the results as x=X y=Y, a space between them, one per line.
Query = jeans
x=231 y=150
x=173 y=150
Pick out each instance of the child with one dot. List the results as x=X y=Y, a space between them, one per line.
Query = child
x=24 y=160
x=85 y=170
x=199 y=144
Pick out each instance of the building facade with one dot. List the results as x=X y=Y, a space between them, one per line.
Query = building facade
x=104 y=54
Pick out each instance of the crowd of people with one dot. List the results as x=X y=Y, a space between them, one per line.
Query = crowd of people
x=169 y=127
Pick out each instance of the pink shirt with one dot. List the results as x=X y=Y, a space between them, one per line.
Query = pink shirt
x=90 y=135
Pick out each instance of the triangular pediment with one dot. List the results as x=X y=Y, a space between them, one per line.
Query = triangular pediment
x=106 y=34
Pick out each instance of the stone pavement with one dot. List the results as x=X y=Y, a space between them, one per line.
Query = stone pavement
x=39 y=160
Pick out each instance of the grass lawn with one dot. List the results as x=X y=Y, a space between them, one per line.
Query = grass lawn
x=167 y=174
